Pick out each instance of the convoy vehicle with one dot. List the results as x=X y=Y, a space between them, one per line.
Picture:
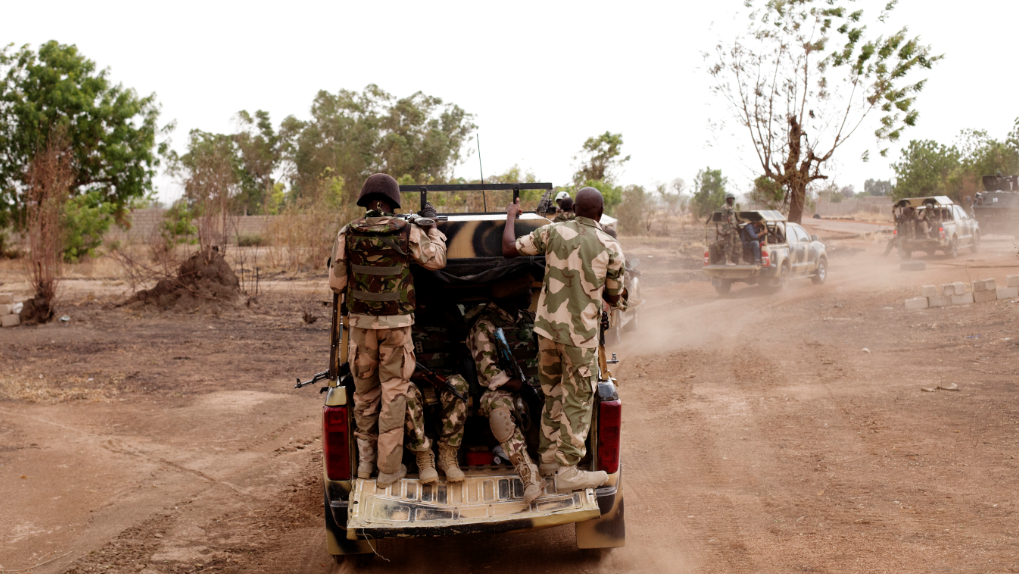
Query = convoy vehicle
x=489 y=500
x=628 y=319
x=997 y=207
x=948 y=226
x=788 y=252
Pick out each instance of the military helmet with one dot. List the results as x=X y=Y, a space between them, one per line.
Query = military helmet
x=729 y=196
x=379 y=186
x=561 y=196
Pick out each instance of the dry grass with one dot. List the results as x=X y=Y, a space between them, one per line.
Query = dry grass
x=91 y=387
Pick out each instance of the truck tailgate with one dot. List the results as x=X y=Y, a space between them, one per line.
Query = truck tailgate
x=730 y=271
x=485 y=503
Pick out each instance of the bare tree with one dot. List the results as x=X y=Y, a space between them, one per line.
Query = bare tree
x=48 y=181
x=803 y=79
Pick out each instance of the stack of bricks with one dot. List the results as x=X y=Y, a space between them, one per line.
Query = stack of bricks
x=8 y=318
x=956 y=294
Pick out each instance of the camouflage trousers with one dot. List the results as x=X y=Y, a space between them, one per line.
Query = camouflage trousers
x=454 y=416
x=567 y=376
x=730 y=247
x=498 y=399
x=381 y=362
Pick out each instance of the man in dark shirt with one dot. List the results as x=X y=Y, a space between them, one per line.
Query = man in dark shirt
x=753 y=233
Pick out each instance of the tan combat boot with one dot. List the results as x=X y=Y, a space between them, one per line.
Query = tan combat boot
x=448 y=463
x=569 y=479
x=426 y=466
x=534 y=485
x=548 y=469
x=366 y=458
x=387 y=478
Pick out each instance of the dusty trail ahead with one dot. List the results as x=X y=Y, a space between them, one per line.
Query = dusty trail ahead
x=759 y=436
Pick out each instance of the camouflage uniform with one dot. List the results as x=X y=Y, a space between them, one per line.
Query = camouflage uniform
x=434 y=336
x=482 y=345
x=564 y=216
x=454 y=415
x=581 y=261
x=729 y=244
x=371 y=263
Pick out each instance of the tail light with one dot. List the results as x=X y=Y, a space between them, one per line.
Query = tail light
x=707 y=258
x=765 y=260
x=941 y=231
x=895 y=232
x=610 y=414
x=336 y=443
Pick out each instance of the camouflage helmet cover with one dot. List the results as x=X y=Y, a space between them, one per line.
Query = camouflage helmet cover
x=379 y=186
x=729 y=196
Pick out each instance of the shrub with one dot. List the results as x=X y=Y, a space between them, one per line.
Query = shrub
x=178 y=225
x=250 y=240
x=86 y=219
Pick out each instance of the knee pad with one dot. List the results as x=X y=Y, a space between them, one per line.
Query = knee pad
x=502 y=425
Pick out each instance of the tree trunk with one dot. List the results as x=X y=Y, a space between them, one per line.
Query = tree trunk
x=797 y=199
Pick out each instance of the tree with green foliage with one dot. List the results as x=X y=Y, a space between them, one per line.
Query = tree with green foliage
x=877 y=187
x=804 y=78
x=767 y=193
x=709 y=191
x=601 y=158
x=87 y=218
x=111 y=130
x=260 y=150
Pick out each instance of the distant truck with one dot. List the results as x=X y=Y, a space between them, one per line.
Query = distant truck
x=933 y=224
x=788 y=252
x=997 y=207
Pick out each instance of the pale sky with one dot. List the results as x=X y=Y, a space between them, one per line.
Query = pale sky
x=540 y=77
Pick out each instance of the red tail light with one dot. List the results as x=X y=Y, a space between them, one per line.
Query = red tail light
x=610 y=414
x=941 y=231
x=895 y=232
x=336 y=442
x=765 y=260
x=707 y=257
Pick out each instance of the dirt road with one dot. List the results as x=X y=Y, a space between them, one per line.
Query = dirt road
x=762 y=433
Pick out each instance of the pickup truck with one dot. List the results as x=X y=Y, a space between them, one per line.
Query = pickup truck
x=788 y=252
x=948 y=227
x=358 y=513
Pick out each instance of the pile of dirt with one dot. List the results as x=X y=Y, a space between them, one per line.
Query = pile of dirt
x=204 y=278
x=35 y=312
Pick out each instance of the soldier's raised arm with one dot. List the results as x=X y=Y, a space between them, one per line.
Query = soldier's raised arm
x=428 y=248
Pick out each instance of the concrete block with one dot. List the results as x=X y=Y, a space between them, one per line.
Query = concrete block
x=964 y=299
x=984 y=296
x=10 y=321
x=1012 y=280
x=6 y=310
x=929 y=290
x=989 y=284
x=912 y=266
x=948 y=289
x=1007 y=292
x=917 y=303
x=940 y=301
x=979 y=286
x=6 y=298
x=960 y=288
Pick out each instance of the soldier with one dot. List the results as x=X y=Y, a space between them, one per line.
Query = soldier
x=559 y=197
x=432 y=343
x=728 y=231
x=371 y=263
x=566 y=211
x=500 y=386
x=583 y=265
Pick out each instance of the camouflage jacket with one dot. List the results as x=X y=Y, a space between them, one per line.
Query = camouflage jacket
x=427 y=250
x=564 y=216
x=728 y=220
x=581 y=261
x=519 y=335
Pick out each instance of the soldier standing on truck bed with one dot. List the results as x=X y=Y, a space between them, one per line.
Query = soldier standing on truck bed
x=517 y=323
x=371 y=262
x=728 y=233
x=583 y=264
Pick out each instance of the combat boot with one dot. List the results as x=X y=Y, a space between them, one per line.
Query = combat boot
x=426 y=466
x=366 y=457
x=569 y=479
x=448 y=463
x=534 y=485
x=548 y=469
x=387 y=478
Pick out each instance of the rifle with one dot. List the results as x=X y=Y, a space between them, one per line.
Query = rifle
x=423 y=373
x=511 y=366
x=343 y=372
x=333 y=373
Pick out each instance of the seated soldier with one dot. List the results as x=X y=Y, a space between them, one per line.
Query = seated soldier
x=498 y=401
x=754 y=233
x=434 y=335
x=566 y=211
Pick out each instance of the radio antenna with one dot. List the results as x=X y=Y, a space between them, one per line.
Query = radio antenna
x=484 y=197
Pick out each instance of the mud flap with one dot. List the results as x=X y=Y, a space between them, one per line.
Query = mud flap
x=489 y=503
x=608 y=530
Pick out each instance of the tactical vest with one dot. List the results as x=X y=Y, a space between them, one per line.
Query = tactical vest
x=379 y=281
x=520 y=336
x=439 y=342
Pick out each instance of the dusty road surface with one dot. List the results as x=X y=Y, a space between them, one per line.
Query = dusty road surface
x=762 y=433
